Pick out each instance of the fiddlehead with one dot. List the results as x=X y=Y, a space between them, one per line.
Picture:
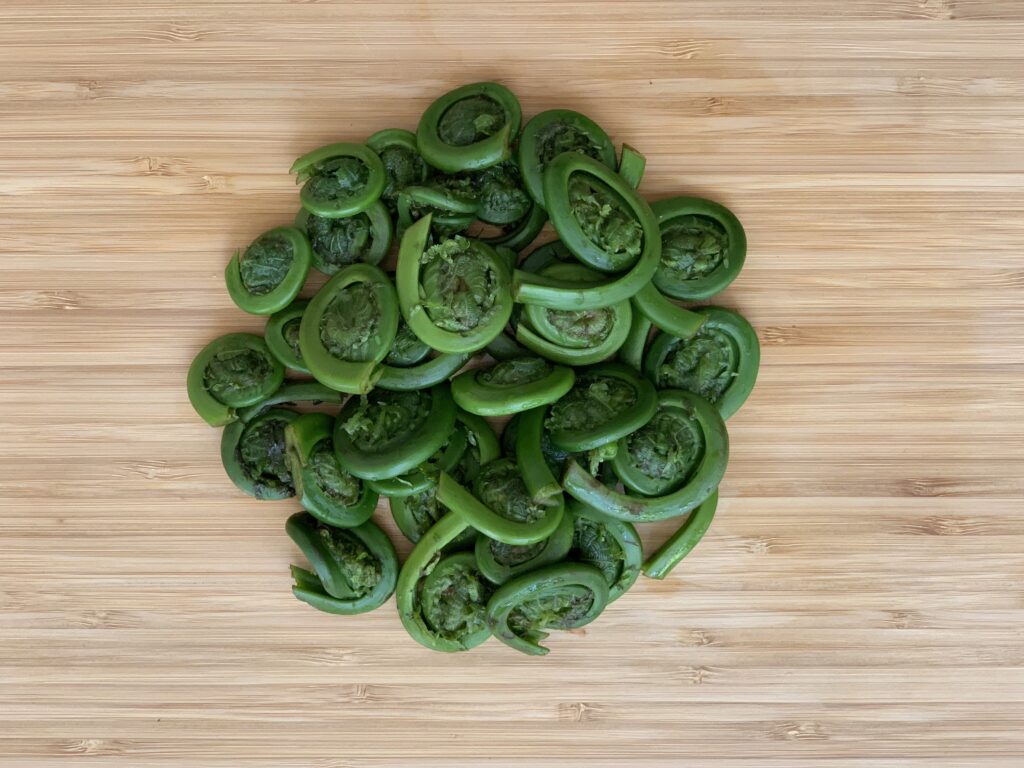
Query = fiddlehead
x=562 y=596
x=612 y=546
x=511 y=386
x=447 y=610
x=607 y=402
x=385 y=434
x=325 y=490
x=553 y=132
x=354 y=569
x=719 y=363
x=403 y=165
x=416 y=513
x=253 y=454
x=232 y=372
x=501 y=199
x=679 y=544
x=678 y=458
x=338 y=242
x=269 y=274
x=469 y=128
x=605 y=224
x=339 y=180
x=703 y=247
x=574 y=336
x=282 y=335
x=500 y=562
x=455 y=295
x=599 y=217
x=348 y=328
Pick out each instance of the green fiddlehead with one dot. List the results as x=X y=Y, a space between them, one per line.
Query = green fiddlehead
x=500 y=562
x=612 y=546
x=511 y=386
x=553 y=132
x=354 y=569
x=501 y=199
x=447 y=610
x=269 y=274
x=337 y=242
x=681 y=455
x=599 y=217
x=231 y=372
x=455 y=295
x=607 y=402
x=719 y=363
x=562 y=596
x=282 y=335
x=703 y=247
x=574 y=336
x=348 y=328
x=681 y=543
x=403 y=165
x=385 y=434
x=324 y=489
x=253 y=454
x=339 y=180
x=469 y=128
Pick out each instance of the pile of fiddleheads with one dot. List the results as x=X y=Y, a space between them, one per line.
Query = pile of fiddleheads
x=440 y=313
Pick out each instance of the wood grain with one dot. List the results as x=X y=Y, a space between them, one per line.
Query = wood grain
x=860 y=598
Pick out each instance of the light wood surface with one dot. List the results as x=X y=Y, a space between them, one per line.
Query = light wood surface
x=859 y=600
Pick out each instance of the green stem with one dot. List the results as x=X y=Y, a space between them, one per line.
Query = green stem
x=543 y=486
x=490 y=523
x=669 y=317
x=427 y=374
x=632 y=351
x=670 y=554
x=631 y=166
x=474 y=393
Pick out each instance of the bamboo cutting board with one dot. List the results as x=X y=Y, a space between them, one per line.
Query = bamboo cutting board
x=859 y=599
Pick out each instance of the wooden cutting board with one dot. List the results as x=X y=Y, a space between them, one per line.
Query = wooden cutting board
x=860 y=597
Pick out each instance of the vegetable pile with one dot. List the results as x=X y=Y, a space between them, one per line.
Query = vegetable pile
x=609 y=427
